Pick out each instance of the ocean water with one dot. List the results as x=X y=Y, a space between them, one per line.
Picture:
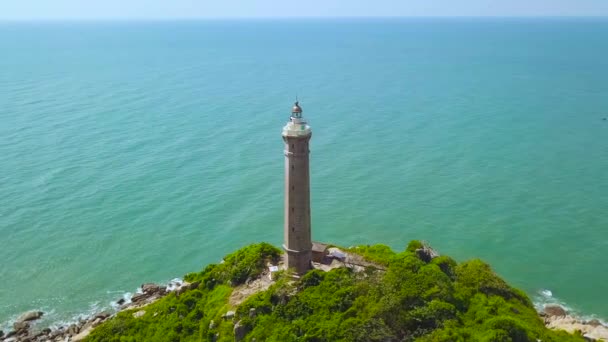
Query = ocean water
x=138 y=152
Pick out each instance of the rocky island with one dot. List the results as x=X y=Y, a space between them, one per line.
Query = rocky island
x=364 y=293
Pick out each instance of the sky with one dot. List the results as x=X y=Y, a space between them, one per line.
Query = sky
x=173 y=9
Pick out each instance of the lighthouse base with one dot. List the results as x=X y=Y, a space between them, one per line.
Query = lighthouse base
x=299 y=262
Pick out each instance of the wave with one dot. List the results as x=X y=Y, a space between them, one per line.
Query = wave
x=545 y=297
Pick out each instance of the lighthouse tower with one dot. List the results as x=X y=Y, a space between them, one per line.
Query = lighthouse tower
x=298 y=244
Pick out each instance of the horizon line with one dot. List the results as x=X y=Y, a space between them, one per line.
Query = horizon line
x=204 y=18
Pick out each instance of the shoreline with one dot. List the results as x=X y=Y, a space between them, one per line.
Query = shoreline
x=555 y=314
x=26 y=327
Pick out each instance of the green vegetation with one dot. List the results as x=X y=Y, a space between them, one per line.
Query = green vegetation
x=411 y=300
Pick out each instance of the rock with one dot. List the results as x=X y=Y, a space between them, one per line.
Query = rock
x=11 y=339
x=554 y=310
x=151 y=288
x=240 y=331
x=103 y=315
x=139 y=313
x=72 y=329
x=46 y=331
x=594 y=323
x=121 y=301
x=139 y=297
x=252 y=312
x=187 y=286
x=426 y=253
x=20 y=327
x=212 y=325
x=82 y=335
x=228 y=315
x=38 y=335
x=30 y=316
x=1 y=333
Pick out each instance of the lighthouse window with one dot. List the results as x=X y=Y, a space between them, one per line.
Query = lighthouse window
x=292 y=146
x=293 y=187
x=292 y=209
x=292 y=167
x=293 y=229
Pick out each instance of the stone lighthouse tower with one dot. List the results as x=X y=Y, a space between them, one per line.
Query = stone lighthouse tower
x=298 y=244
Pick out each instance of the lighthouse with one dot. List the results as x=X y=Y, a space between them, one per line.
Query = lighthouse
x=298 y=243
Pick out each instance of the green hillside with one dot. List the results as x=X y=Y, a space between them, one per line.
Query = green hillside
x=406 y=298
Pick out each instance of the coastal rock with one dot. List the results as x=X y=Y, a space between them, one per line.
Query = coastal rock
x=554 y=310
x=82 y=335
x=57 y=333
x=140 y=297
x=594 y=323
x=20 y=327
x=1 y=333
x=72 y=330
x=30 y=316
x=121 y=301
x=139 y=313
x=572 y=324
x=103 y=315
x=152 y=289
x=426 y=253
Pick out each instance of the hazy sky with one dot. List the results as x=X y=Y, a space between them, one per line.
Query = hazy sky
x=132 y=9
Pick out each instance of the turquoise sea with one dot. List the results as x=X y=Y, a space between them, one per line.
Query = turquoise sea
x=138 y=152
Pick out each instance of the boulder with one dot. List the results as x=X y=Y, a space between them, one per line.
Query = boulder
x=72 y=329
x=553 y=310
x=594 y=323
x=228 y=315
x=46 y=331
x=82 y=335
x=121 y=301
x=151 y=289
x=20 y=327
x=103 y=315
x=240 y=331
x=426 y=253
x=55 y=334
x=30 y=316
x=252 y=312
x=139 y=297
x=139 y=313
x=212 y=325
x=1 y=333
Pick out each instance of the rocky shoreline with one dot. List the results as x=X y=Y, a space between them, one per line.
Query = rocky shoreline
x=558 y=318
x=24 y=330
